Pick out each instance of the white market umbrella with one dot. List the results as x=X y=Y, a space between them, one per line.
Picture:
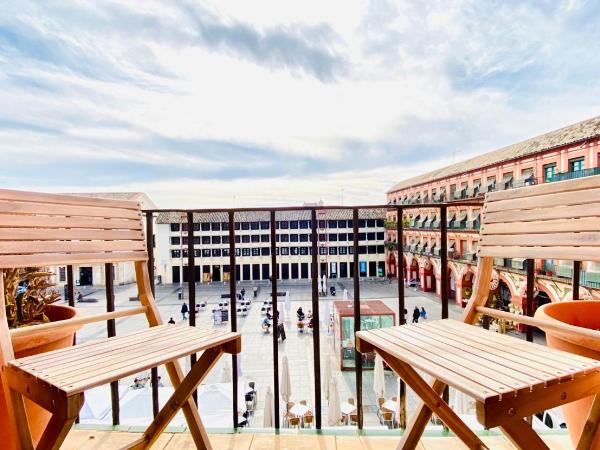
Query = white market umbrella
x=345 y=296
x=378 y=377
x=268 y=413
x=334 y=413
x=285 y=383
x=327 y=377
x=325 y=284
x=460 y=402
x=399 y=396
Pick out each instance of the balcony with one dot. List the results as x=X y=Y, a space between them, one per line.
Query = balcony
x=575 y=174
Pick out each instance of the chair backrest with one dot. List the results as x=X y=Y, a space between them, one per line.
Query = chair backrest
x=388 y=415
x=549 y=221
x=49 y=229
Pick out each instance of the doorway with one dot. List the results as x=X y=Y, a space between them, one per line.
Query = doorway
x=86 y=277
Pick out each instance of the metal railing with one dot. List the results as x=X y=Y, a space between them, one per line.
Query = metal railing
x=575 y=174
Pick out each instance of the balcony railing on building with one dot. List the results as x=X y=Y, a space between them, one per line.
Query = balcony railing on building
x=574 y=174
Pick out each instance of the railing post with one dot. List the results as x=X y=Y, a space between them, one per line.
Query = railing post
x=233 y=313
x=274 y=275
x=70 y=287
x=401 y=304
x=530 y=289
x=576 y=279
x=150 y=250
x=444 y=259
x=191 y=273
x=315 y=318
x=356 y=297
x=112 y=332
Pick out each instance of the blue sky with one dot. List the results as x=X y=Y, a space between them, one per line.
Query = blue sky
x=277 y=102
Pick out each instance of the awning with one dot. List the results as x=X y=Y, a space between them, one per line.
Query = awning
x=426 y=222
x=463 y=216
x=451 y=216
x=476 y=214
x=506 y=181
x=451 y=245
x=422 y=221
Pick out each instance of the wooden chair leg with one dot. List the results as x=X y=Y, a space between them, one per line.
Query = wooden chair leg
x=591 y=426
x=60 y=424
x=520 y=433
x=418 y=422
x=182 y=394
x=434 y=403
x=17 y=416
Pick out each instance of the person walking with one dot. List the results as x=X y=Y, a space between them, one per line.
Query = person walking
x=184 y=310
x=423 y=313
x=416 y=315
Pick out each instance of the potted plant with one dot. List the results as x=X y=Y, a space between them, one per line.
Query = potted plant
x=585 y=314
x=29 y=301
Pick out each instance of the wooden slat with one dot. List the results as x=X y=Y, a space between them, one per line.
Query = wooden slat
x=473 y=364
x=542 y=240
x=545 y=201
x=39 y=247
x=569 y=362
x=542 y=226
x=53 y=234
x=15 y=207
x=416 y=360
x=36 y=222
x=62 y=199
x=566 y=253
x=55 y=259
x=25 y=331
x=563 y=212
x=545 y=188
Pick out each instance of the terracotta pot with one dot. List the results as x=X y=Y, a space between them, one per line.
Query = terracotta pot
x=40 y=342
x=584 y=314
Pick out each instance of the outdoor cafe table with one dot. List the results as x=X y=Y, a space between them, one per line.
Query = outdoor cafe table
x=299 y=410
x=390 y=405
x=347 y=408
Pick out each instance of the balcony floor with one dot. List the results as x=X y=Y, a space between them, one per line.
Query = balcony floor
x=96 y=440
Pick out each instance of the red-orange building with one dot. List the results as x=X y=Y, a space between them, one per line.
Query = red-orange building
x=570 y=152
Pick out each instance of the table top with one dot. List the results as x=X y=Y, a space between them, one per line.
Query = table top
x=299 y=410
x=391 y=405
x=347 y=408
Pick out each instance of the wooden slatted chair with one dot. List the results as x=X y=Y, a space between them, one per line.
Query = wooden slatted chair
x=50 y=230
x=509 y=378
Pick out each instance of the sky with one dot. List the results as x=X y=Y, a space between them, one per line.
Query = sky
x=275 y=102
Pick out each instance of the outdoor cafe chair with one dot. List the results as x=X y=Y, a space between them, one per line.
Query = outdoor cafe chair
x=510 y=379
x=39 y=230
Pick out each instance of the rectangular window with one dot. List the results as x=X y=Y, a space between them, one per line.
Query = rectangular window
x=216 y=239
x=216 y=252
x=322 y=250
x=265 y=251
x=246 y=252
x=255 y=251
x=238 y=239
x=380 y=236
x=224 y=226
x=371 y=223
x=322 y=224
x=294 y=251
x=372 y=249
x=175 y=253
x=362 y=250
x=293 y=238
x=175 y=240
x=294 y=225
x=205 y=226
x=174 y=227
x=362 y=223
x=225 y=252
x=322 y=238
x=206 y=252
x=265 y=238
x=304 y=238
x=285 y=251
x=215 y=226
x=264 y=225
x=245 y=239
x=304 y=251
x=333 y=237
x=238 y=252
x=362 y=236
x=342 y=237
x=185 y=253
x=224 y=239
x=284 y=225
x=284 y=238
x=381 y=249
x=184 y=227
x=196 y=226
x=62 y=274
x=351 y=236
x=332 y=223
x=255 y=238
x=333 y=250
x=304 y=224
x=197 y=253
x=549 y=172
x=185 y=240
x=254 y=225
x=576 y=164
x=196 y=240
x=245 y=226
x=370 y=236
x=343 y=250
x=351 y=250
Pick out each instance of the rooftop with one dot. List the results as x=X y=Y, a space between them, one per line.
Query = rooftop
x=571 y=134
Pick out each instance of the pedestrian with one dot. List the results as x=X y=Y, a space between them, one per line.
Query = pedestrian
x=171 y=321
x=389 y=275
x=416 y=315
x=423 y=313
x=79 y=296
x=243 y=292
x=184 y=310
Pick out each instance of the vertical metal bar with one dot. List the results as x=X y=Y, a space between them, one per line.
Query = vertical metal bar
x=576 y=281
x=399 y=240
x=70 y=286
x=528 y=309
x=191 y=273
x=111 y=331
x=444 y=259
x=401 y=304
x=233 y=313
x=356 y=296
x=315 y=318
x=274 y=275
x=150 y=250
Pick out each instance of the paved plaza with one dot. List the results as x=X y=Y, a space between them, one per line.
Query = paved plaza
x=256 y=360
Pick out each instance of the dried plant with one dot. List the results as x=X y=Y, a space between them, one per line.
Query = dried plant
x=27 y=292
